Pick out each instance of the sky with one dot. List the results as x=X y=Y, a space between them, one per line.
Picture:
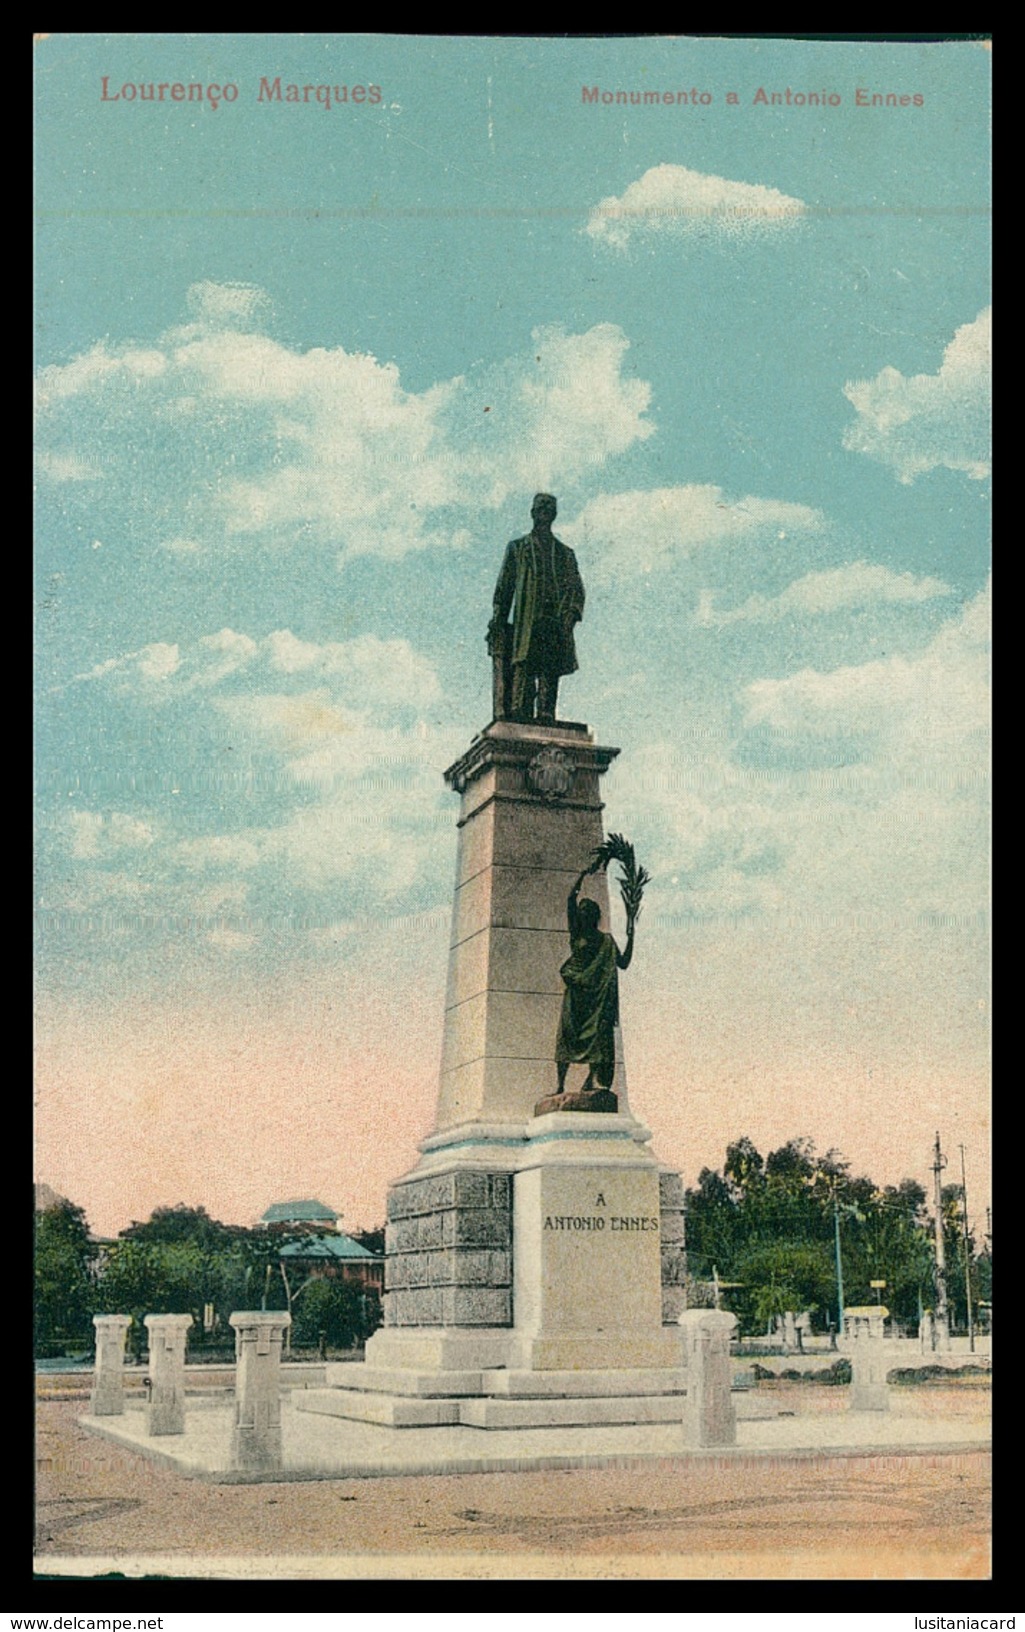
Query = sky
x=301 y=366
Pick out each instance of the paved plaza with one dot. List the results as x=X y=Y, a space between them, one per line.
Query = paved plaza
x=808 y=1495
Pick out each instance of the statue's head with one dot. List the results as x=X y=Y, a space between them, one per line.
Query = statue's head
x=544 y=508
x=588 y=916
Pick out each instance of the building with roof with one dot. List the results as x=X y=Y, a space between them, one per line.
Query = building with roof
x=312 y=1213
x=321 y=1248
x=336 y=1256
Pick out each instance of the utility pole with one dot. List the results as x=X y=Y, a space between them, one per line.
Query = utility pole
x=839 y=1266
x=942 y=1319
x=967 y=1257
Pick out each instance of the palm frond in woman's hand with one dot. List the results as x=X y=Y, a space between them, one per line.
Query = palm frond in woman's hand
x=631 y=885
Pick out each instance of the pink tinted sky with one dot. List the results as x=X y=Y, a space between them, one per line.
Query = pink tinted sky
x=322 y=1086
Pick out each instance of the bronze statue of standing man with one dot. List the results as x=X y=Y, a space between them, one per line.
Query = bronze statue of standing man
x=541 y=586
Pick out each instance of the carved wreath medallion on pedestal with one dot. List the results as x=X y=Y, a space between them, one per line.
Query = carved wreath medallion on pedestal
x=550 y=774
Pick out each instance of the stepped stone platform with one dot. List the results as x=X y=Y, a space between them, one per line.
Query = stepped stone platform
x=498 y=1399
x=321 y=1447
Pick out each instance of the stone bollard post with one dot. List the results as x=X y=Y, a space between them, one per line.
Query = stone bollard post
x=709 y=1416
x=256 y=1437
x=108 y=1394
x=165 y=1413
x=869 y=1388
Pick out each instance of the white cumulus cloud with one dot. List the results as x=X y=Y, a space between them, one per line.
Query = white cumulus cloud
x=354 y=769
x=227 y=305
x=673 y=202
x=839 y=589
x=100 y=365
x=222 y=655
x=370 y=673
x=236 y=438
x=868 y=796
x=388 y=671
x=920 y=422
x=95 y=835
x=552 y=417
x=230 y=850
x=649 y=529
x=940 y=694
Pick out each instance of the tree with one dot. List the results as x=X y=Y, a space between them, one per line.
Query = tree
x=744 y=1167
x=791 y=1167
x=156 y=1278
x=172 y=1226
x=982 y=1278
x=771 y=1224
x=785 y=1276
x=180 y=1260
x=373 y=1240
x=343 y=1312
x=885 y=1237
x=714 y=1225
x=64 y=1284
x=144 y=1276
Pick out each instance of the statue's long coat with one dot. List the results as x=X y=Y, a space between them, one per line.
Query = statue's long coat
x=528 y=567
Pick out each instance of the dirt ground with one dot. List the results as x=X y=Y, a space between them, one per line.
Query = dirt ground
x=882 y=1517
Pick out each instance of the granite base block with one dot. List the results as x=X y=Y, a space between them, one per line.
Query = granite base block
x=448 y=1247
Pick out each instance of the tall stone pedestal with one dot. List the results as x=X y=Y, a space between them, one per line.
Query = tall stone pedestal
x=531 y=815
x=256 y=1434
x=710 y=1417
x=866 y=1348
x=165 y=1413
x=534 y=1269
x=108 y=1391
